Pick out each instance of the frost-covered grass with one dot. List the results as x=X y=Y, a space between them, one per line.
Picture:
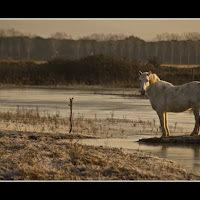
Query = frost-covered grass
x=35 y=146
x=34 y=156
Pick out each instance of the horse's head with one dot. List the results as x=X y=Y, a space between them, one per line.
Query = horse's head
x=144 y=81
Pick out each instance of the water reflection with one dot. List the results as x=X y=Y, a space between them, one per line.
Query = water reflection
x=187 y=155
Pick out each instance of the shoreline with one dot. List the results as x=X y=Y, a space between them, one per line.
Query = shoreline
x=34 y=147
x=68 y=86
x=172 y=140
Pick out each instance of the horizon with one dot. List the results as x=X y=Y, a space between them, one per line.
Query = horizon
x=78 y=28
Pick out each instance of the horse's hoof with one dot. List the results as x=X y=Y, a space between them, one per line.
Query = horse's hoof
x=193 y=134
x=164 y=136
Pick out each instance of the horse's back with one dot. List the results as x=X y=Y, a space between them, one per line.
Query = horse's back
x=183 y=97
x=176 y=98
x=191 y=88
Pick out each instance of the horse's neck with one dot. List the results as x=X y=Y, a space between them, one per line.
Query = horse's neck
x=151 y=90
x=156 y=88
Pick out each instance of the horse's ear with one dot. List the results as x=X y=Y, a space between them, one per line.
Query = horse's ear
x=140 y=73
x=149 y=73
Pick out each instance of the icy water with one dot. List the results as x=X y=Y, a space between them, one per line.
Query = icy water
x=87 y=104
x=92 y=105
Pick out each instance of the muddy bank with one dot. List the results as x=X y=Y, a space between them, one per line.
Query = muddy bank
x=39 y=136
x=181 y=140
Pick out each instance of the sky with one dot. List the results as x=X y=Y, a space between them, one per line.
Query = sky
x=144 y=28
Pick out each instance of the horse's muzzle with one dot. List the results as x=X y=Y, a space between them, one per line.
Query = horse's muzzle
x=142 y=92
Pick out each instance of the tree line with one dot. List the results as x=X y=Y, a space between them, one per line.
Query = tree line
x=91 y=70
x=168 y=48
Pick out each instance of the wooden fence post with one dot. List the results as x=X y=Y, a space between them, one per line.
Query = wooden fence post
x=70 y=118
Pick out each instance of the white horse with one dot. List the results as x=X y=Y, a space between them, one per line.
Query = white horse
x=165 y=97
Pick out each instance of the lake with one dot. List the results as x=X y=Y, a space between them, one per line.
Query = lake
x=90 y=104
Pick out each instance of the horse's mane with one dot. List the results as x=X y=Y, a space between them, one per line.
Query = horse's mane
x=153 y=78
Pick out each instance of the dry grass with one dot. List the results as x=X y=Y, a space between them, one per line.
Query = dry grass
x=50 y=158
x=179 y=66
x=32 y=120
x=38 y=147
x=26 y=119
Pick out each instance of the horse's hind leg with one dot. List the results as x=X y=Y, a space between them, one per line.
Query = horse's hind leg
x=197 y=121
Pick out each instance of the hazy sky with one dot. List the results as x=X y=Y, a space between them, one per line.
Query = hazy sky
x=144 y=28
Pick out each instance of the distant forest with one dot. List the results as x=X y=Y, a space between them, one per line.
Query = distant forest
x=168 y=48
x=92 y=70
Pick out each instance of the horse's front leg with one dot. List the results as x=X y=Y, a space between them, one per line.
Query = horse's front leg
x=196 y=127
x=161 y=116
x=166 y=124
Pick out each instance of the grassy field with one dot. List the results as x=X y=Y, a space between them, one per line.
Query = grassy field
x=179 y=66
x=38 y=147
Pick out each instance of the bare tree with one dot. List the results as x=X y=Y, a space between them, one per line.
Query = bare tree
x=168 y=36
x=55 y=47
x=104 y=37
x=61 y=36
x=172 y=51
x=163 y=50
x=180 y=52
x=196 y=47
x=194 y=37
x=28 y=42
